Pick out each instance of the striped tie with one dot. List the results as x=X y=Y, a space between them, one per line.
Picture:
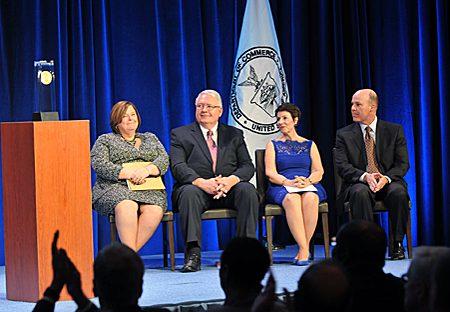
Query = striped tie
x=212 y=148
x=372 y=165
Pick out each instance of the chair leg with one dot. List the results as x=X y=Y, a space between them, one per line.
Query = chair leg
x=326 y=234
x=164 y=235
x=408 y=236
x=269 y=237
x=311 y=247
x=171 y=245
x=260 y=231
x=113 y=231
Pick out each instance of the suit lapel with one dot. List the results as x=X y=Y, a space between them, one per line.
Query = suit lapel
x=221 y=139
x=198 y=136
x=358 y=137
x=380 y=134
x=359 y=142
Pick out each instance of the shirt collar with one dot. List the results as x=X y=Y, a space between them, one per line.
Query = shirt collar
x=213 y=129
x=372 y=126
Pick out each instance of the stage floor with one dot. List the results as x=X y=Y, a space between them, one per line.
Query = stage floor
x=162 y=286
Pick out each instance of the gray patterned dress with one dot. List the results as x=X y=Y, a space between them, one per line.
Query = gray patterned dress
x=108 y=154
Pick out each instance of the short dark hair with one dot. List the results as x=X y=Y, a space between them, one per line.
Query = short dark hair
x=360 y=244
x=117 y=111
x=118 y=276
x=322 y=287
x=246 y=262
x=291 y=108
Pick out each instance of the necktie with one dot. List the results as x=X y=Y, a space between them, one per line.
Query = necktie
x=372 y=165
x=212 y=148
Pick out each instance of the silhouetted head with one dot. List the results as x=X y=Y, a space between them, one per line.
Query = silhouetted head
x=118 y=276
x=360 y=245
x=428 y=279
x=322 y=287
x=244 y=263
x=440 y=289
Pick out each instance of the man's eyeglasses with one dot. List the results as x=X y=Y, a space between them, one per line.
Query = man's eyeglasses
x=208 y=107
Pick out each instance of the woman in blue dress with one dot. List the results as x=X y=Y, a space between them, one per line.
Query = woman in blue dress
x=294 y=169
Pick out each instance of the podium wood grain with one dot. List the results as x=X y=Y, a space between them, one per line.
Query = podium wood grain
x=46 y=186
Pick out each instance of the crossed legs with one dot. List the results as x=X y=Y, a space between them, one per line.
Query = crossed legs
x=301 y=214
x=136 y=223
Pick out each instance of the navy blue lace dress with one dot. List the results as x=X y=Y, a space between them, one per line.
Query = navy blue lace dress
x=292 y=158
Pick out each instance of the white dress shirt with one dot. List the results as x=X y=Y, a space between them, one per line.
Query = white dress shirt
x=214 y=131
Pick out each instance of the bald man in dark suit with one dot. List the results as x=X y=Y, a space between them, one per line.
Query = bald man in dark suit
x=372 y=159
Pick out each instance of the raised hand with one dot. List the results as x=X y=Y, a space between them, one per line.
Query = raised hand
x=58 y=265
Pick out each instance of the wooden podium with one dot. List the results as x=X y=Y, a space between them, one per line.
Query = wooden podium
x=46 y=187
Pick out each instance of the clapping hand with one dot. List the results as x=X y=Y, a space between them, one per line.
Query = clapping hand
x=65 y=273
x=58 y=265
x=266 y=299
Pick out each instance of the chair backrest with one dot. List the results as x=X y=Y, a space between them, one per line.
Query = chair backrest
x=337 y=177
x=261 y=179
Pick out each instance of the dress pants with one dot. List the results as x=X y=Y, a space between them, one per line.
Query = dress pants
x=192 y=202
x=395 y=197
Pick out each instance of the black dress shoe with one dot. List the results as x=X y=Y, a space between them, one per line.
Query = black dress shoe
x=192 y=263
x=398 y=252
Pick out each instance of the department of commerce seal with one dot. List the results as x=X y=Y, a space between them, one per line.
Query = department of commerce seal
x=257 y=89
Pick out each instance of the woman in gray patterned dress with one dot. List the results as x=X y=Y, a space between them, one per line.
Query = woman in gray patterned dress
x=137 y=213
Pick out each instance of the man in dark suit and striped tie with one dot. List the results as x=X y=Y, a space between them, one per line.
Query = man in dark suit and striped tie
x=372 y=159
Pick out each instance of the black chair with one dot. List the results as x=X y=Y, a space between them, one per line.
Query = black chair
x=380 y=207
x=167 y=223
x=269 y=211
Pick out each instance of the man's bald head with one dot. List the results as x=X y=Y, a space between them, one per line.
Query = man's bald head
x=364 y=106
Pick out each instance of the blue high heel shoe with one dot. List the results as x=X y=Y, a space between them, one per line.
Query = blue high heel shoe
x=302 y=262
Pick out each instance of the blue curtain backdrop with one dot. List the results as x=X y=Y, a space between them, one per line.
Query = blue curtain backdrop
x=160 y=54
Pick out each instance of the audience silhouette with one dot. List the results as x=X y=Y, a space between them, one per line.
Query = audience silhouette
x=353 y=281
x=118 y=278
x=322 y=287
x=244 y=263
x=428 y=280
x=361 y=248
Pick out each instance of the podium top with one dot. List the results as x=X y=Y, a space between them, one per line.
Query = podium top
x=42 y=122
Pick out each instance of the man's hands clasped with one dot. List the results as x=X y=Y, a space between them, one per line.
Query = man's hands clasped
x=218 y=186
x=376 y=181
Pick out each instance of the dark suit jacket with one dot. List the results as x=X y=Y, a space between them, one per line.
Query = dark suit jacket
x=190 y=157
x=350 y=154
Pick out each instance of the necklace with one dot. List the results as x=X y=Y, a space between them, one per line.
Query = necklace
x=132 y=141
